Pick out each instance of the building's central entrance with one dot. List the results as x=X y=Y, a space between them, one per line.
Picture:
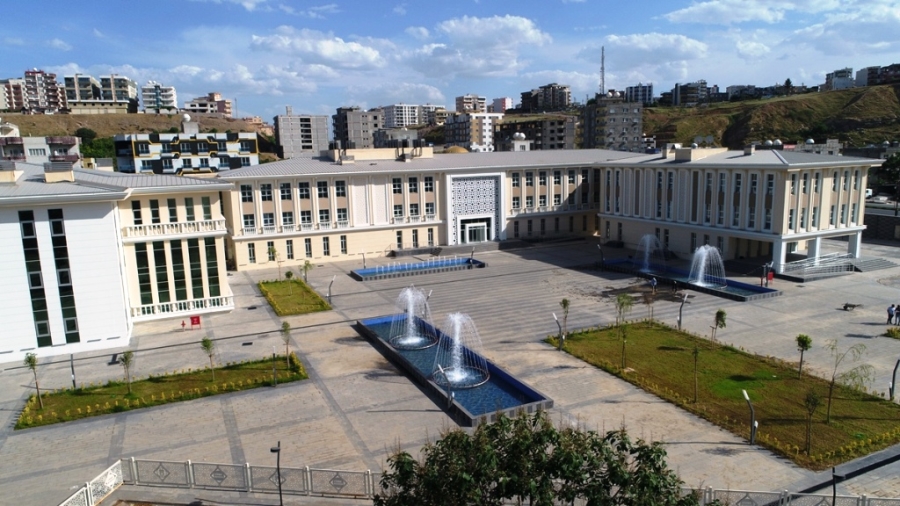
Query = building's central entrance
x=475 y=230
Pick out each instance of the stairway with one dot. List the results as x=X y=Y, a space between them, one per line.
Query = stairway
x=872 y=264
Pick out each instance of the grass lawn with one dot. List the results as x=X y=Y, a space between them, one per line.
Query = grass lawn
x=660 y=360
x=113 y=397
x=292 y=297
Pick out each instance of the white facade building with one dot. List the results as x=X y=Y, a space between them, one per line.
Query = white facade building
x=158 y=98
x=501 y=104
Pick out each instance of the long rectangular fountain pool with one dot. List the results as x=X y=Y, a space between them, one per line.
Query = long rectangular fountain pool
x=502 y=393
x=428 y=266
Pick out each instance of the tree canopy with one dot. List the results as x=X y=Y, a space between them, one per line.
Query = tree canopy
x=528 y=458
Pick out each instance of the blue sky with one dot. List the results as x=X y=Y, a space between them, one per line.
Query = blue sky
x=316 y=56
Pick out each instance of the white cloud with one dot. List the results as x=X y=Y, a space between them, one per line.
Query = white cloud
x=317 y=47
x=400 y=9
x=98 y=34
x=630 y=51
x=250 y=5
x=863 y=32
x=751 y=50
x=318 y=12
x=726 y=12
x=59 y=44
x=417 y=32
x=493 y=32
x=399 y=92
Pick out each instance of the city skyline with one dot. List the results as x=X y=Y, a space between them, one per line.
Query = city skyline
x=268 y=54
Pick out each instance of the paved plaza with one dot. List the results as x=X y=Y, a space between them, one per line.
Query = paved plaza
x=357 y=408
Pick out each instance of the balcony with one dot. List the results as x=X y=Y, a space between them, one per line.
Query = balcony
x=170 y=309
x=342 y=224
x=398 y=219
x=269 y=229
x=306 y=227
x=64 y=158
x=249 y=231
x=65 y=140
x=288 y=228
x=10 y=141
x=430 y=217
x=324 y=225
x=179 y=228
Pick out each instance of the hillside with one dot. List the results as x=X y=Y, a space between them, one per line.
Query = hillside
x=108 y=125
x=859 y=116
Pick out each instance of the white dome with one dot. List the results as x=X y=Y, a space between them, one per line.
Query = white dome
x=186 y=117
x=768 y=143
x=810 y=141
x=694 y=146
x=778 y=142
x=519 y=136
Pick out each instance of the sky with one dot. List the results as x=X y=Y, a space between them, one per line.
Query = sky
x=320 y=55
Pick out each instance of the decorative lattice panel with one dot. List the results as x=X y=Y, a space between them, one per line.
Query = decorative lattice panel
x=360 y=203
x=474 y=196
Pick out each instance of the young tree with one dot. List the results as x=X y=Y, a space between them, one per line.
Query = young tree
x=804 y=343
x=127 y=361
x=286 y=339
x=307 y=266
x=209 y=347
x=32 y=363
x=528 y=460
x=719 y=322
x=788 y=86
x=811 y=403
x=288 y=276
x=273 y=255
x=564 y=304
x=647 y=299
x=624 y=339
x=856 y=377
x=696 y=381
x=624 y=302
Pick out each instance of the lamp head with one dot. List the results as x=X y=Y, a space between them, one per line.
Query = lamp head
x=555 y=318
x=747 y=397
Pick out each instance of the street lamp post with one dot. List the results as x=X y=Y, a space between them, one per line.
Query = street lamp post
x=274 y=373
x=752 y=419
x=894 y=379
x=277 y=451
x=835 y=477
x=601 y=256
x=681 y=308
x=562 y=338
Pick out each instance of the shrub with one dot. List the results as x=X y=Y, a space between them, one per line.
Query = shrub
x=892 y=332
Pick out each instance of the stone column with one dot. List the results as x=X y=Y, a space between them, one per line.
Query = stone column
x=778 y=255
x=854 y=242
x=813 y=246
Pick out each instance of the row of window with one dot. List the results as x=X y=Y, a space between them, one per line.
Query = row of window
x=273 y=254
x=266 y=190
x=542 y=224
x=143 y=148
x=543 y=178
x=181 y=272
x=835 y=182
x=814 y=214
x=341 y=215
x=542 y=200
x=137 y=211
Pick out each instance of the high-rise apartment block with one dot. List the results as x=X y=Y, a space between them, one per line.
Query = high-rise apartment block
x=300 y=133
x=612 y=123
x=501 y=104
x=110 y=94
x=212 y=103
x=354 y=128
x=403 y=115
x=471 y=103
x=550 y=97
x=158 y=98
x=12 y=94
x=642 y=93
x=42 y=92
x=547 y=131
x=839 y=79
x=473 y=131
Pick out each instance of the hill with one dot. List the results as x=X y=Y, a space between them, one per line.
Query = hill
x=108 y=125
x=859 y=116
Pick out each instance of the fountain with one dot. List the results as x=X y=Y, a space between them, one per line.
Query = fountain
x=707 y=268
x=458 y=362
x=650 y=255
x=412 y=329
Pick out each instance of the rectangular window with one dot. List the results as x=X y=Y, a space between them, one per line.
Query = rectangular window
x=770 y=185
x=835 y=181
x=557 y=199
x=189 y=209
x=206 y=207
x=753 y=184
x=815 y=217
x=793 y=184
x=324 y=216
x=162 y=271
x=515 y=180
x=342 y=215
x=204 y=162
x=751 y=217
x=398 y=211
x=397 y=186
x=186 y=163
x=846 y=180
x=816 y=183
x=516 y=202
x=212 y=267
x=307 y=246
x=166 y=147
x=340 y=188
x=143 y=273
x=173 y=210
x=571 y=177
x=246 y=193
x=185 y=147
x=289 y=247
x=529 y=179
x=167 y=163
x=414 y=209
x=529 y=202
x=303 y=189
x=429 y=184
x=287 y=217
x=804 y=187
x=542 y=178
x=246 y=146
x=268 y=219
x=270 y=249
x=251 y=252
x=245 y=161
x=343 y=244
x=542 y=201
x=415 y=238
x=222 y=145
x=791 y=215
x=429 y=208
x=178 y=274
x=853 y=213
x=843 y=214
x=831 y=216
x=196 y=268
x=399 y=239
x=803 y=218
x=413 y=185
x=143 y=149
x=136 y=212
x=154 y=211
x=249 y=221
x=557 y=177
x=203 y=147
x=322 y=189
x=285 y=190
x=306 y=217
x=856 y=180
x=265 y=192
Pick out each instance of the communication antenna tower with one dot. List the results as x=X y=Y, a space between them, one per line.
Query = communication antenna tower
x=602 y=70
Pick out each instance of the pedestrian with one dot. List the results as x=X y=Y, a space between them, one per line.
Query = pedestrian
x=897 y=314
x=890 y=314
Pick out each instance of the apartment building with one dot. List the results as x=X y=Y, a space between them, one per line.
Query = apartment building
x=473 y=131
x=550 y=97
x=88 y=253
x=112 y=94
x=471 y=103
x=873 y=76
x=690 y=94
x=610 y=122
x=355 y=128
x=300 y=133
x=185 y=152
x=841 y=79
x=42 y=92
x=158 y=98
x=38 y=150
x=12 y=95
x=546 y=131
x=642 y=93
x=212 y=103
x=501 y=104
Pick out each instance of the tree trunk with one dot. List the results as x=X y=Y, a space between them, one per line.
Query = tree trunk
x=128 y=378
x=808 y=434
x=830 y=392
x=211 y=368
x=800 y=371
x=38 y=388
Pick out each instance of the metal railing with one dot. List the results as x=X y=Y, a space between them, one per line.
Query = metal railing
x=247 y=478
x=825 y=264
x=785 y=498
x=166 y=309
x=94 y=491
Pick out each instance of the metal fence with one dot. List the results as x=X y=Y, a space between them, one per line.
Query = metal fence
x=247 y=478
x=785 y=498
x=97 y=489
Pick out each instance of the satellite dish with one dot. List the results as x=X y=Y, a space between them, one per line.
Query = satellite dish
x=698 y=139
x=709 y=139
